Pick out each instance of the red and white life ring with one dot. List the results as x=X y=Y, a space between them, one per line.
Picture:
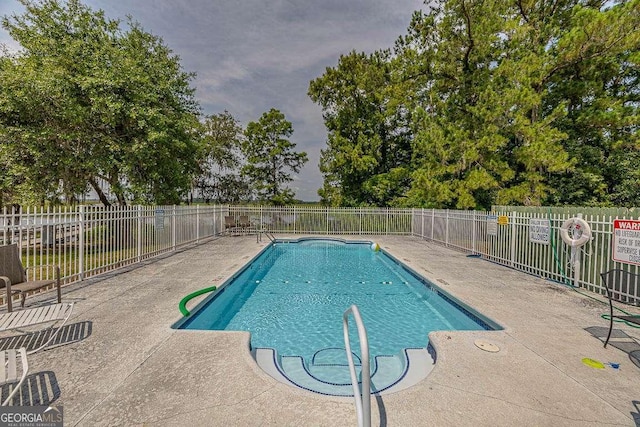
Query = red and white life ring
x=577 y=224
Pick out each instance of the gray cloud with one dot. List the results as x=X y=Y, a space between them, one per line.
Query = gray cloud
x=252 y=55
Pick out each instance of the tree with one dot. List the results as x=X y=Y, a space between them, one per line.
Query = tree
x=368 y=149
x=480 y=135
x=270 y=155
x=597 y=78
x=504 y=102
x=85 y=104
x=537 y=97
x=221 y=156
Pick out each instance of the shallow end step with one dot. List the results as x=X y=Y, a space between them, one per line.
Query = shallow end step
x=266 y=360
x=419 y=365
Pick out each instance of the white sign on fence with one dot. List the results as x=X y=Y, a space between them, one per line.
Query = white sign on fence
x=626 y=241
x=492 y=225
x=160 y=219
x=539 y=230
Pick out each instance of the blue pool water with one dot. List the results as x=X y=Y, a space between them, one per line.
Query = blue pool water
x=292 y=297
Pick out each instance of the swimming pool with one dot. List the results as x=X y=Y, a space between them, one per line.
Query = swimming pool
x=292 y=296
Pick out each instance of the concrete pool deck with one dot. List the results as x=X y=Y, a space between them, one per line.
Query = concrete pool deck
x=131 y=368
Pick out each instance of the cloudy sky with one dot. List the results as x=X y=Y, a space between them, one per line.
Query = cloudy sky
x=250 y=55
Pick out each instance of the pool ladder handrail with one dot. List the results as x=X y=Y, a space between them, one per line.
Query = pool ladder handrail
x=266 y=233
x=363 y=404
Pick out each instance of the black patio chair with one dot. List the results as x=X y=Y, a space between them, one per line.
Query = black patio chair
x=619 y=285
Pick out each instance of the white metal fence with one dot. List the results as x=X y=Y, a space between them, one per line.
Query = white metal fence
x=90 y=240
x=327 y=221
x=509 y=244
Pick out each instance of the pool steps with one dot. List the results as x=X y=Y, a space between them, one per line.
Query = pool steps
x=390 y=373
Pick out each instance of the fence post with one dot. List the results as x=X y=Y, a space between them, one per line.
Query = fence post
x=294 y=219
x=473 y=233
x=327 y=208
x=139 y=233
x=81 y=243
x=413 y=217
x=513 y=239
x=386 y=229
x=197 y=224
x=576 y=259
x=433 y=220
x=16 y=222
x=5 y=227
x=173 y=228
x=446 y=230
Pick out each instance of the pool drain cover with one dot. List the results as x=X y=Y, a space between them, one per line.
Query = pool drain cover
x=487 y=346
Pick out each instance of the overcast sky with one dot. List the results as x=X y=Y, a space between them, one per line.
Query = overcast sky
x=250 y=55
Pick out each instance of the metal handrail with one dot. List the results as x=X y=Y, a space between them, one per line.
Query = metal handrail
x=363 y=404
x=266 y=233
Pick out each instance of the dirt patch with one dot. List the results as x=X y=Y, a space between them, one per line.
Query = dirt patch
x=555 y=288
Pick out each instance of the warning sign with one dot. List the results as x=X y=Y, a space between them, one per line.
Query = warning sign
x=503 y=220
x=160 y=219
x=626 y=241
x=539 y=230
x=492 y=225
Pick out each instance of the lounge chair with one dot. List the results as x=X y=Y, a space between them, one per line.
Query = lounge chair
x=618 y=282
x=9 y=372
x=13 y=276
x=35 y=316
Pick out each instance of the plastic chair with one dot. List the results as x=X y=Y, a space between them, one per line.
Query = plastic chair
x=9 y=372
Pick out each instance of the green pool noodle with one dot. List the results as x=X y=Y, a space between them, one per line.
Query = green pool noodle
x=183 y=303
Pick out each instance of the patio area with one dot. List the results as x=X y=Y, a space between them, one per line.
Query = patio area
x=128 y=367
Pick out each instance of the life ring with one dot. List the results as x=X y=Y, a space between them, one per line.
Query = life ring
x=578 y=224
